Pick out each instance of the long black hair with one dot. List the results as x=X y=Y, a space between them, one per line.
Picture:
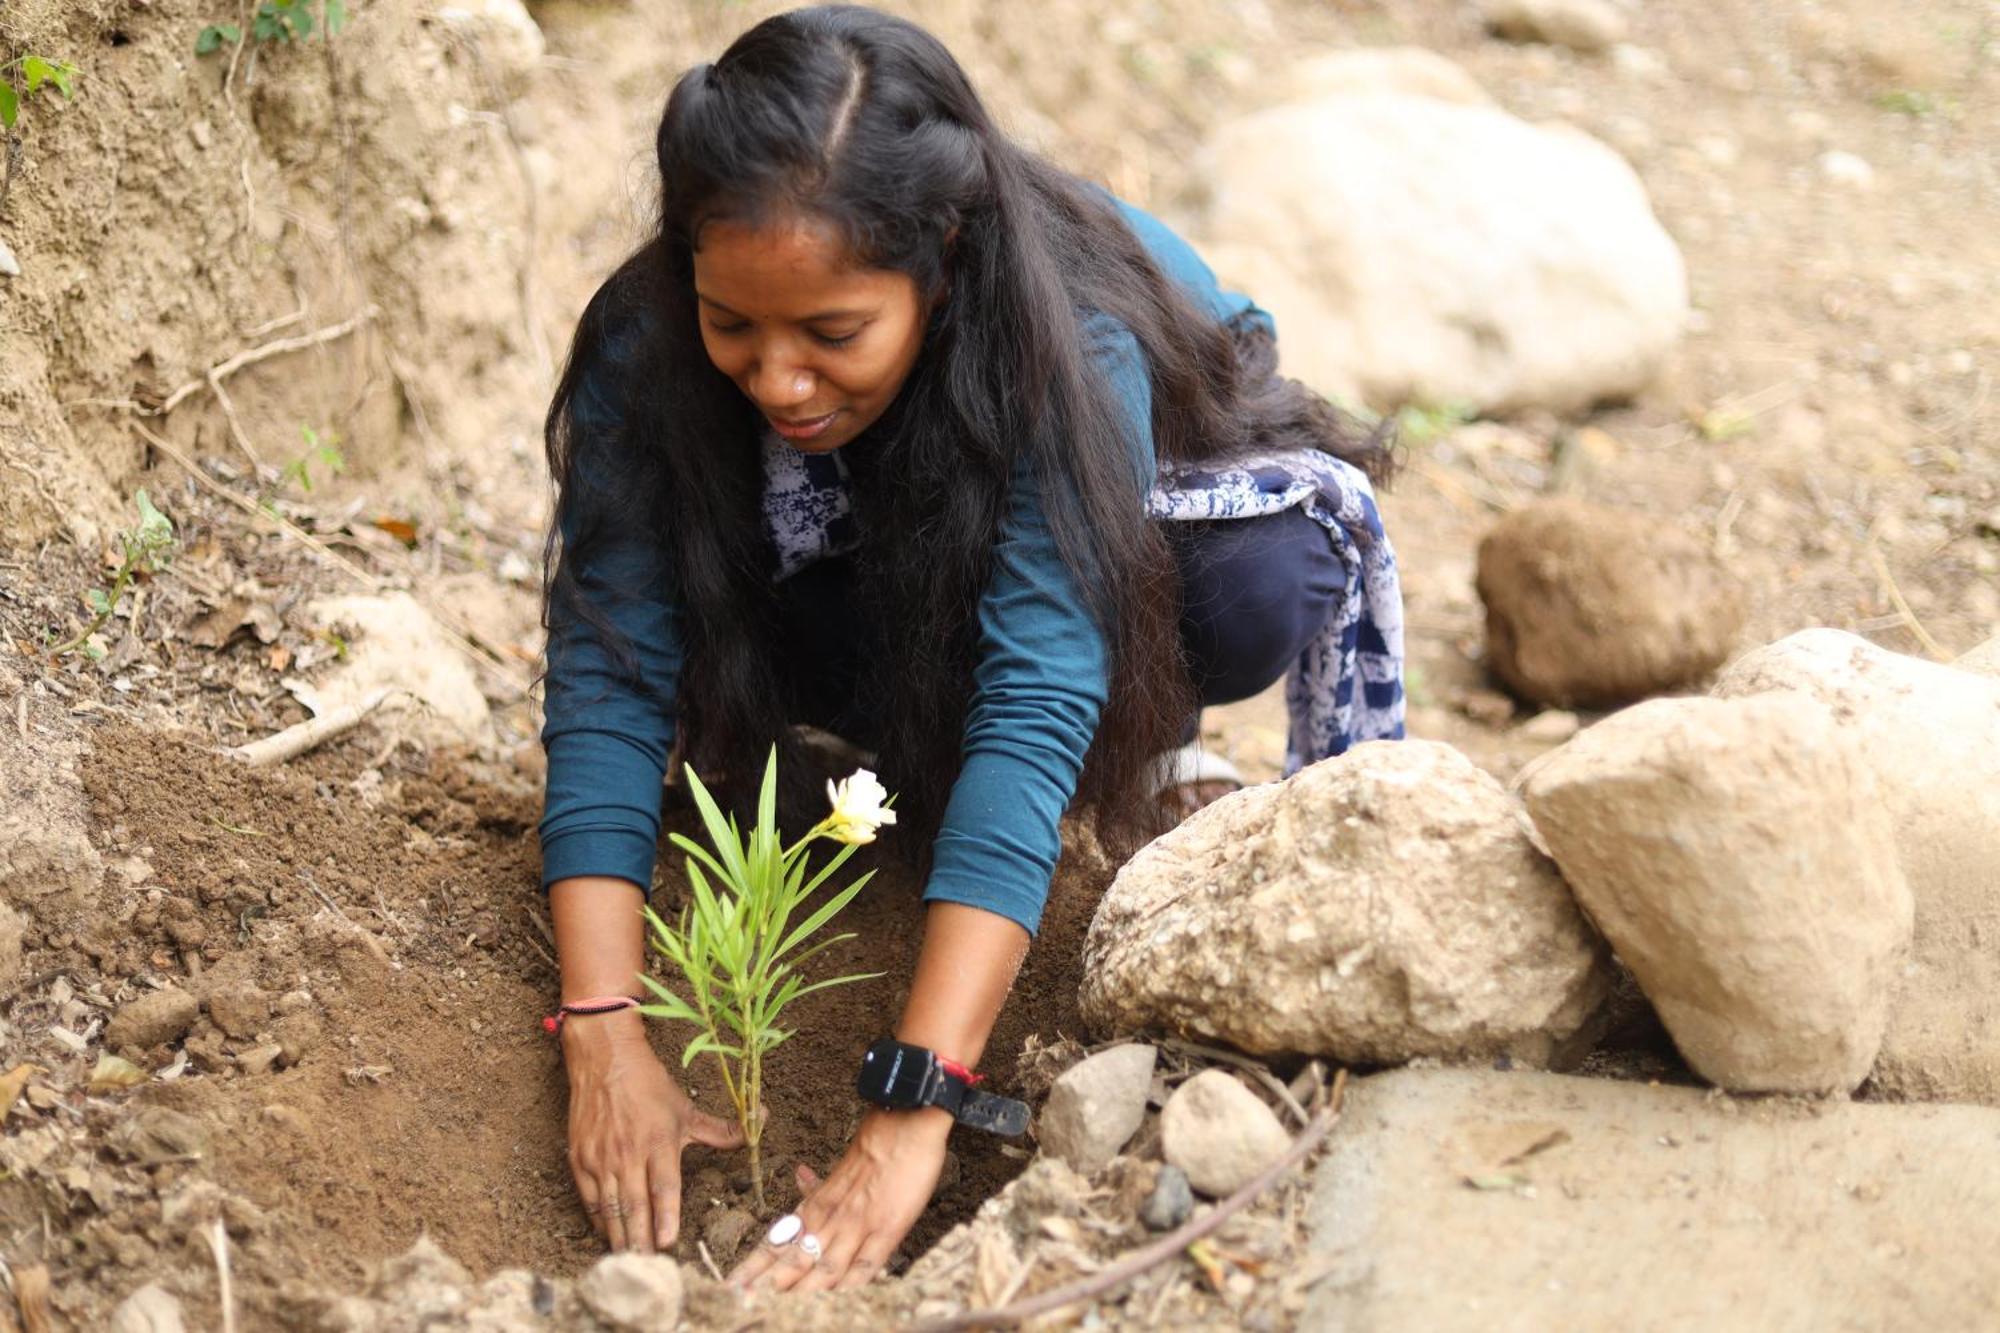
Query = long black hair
x=865 y=122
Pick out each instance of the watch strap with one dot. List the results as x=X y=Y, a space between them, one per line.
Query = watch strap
x=994 y=1114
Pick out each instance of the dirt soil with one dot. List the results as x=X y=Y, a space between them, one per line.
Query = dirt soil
x=1827 y=428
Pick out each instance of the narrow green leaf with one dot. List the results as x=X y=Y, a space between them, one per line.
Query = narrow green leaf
x=10 y=104
x=767 y=795
x=722 y=833
x=701 y=853
x=837 y=981
x=839 y=860
x=825 y=914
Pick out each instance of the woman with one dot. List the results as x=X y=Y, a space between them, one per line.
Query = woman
x=895 y=429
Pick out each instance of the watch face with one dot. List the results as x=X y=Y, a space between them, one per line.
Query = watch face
x=895 y=1074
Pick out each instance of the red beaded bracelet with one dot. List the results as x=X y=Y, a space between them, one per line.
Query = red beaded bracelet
x=602 y=1004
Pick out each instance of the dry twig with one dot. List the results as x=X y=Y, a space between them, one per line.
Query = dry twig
x=218 y=1241
x=1166 y=1247
x=1255 y=1068
x=1895 y=594
x=296 y=740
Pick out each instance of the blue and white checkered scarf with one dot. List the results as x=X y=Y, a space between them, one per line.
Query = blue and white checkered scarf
x=1346 y=687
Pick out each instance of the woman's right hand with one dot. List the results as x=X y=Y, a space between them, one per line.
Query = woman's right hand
x=628 y=1122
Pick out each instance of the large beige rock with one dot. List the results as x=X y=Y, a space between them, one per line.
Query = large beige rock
x=1931 y=735
x=393 y=643
x=1592 y=606
x=1442 y=251
x=1378 y=906
x=1737 y=856
x=1984 y=659
x=1468 y=1201
x=1414 y=70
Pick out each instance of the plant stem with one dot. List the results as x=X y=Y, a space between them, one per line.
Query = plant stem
x=117 y=591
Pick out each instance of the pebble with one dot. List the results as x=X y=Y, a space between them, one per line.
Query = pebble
x=240 y=1011
x=10 y=267
x=259 y=1059
x=636 y=1292
x=1220 y=1133
x=150 y=1309
x=1171 y=1201
x=725 y=1231
x=152 y=1020
x=1096 y=1106
x=1839 y=167
x=1550 y=727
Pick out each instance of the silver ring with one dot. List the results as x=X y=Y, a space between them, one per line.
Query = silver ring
x=785 y=1230
x=810 y=1246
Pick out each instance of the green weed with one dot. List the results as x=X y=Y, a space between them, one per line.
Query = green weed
x=148 y=548
x=277 y=21
x=37 y=73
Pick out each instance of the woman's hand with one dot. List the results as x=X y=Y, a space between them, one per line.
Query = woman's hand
x=628 y=1122
x=864 y=1207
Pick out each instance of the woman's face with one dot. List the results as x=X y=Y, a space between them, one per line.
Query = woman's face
x=819 y=343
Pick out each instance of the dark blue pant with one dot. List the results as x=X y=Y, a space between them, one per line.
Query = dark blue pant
x=1254 y=593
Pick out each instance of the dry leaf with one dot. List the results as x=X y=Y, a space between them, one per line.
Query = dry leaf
x=402 y=530
x=280 y=658
x=11 y=1084
x=113 y=1072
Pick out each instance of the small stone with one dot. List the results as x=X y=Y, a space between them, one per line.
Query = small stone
x=150 y=1309
x=259 y=1059
x=725 y=1231
x=1552 y=726
x=297 y=1036
x=240 y=1011
x=1838 y=167
x=152 y=1020
x=1581 y=25
x=12 y=930
x=10 y=267
x=288 y=1118
x=636 y=1292
x=1096 y=1106
x=156 y=1134
x=1170 y=1202
x=295 y=1002
x=202 y=134
x=1220 y=1133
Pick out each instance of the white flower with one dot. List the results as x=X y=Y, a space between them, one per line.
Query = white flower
x=858 y=808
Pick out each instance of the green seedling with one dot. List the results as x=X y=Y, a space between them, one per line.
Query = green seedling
x=148 y=547
x=323 y=450
x=35 y=73
x=737 y=947
x=276 y=21
x=1422 y=423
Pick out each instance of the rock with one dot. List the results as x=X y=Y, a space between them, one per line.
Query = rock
x=1983 y=660
x=295 y=1002
x=12 y=931
x=1378 y=906
x=1737 y=856
x=1581 y=25
x=1418 y=250
x=1414 y=70
x=1551 y=727
x=240 y=1011
x=259 y=1059
x=1838 y=167
x=1096 y=1106
x=509 y=41
x=1219 y=1133
x=1608 y=1204
x=154 y=1019
x=394 y=643
x=153 y=1135
x=150 y=1309
x=10 y=267
x=1927 y=732
x=725 y=1231
x=298 y=1035
x=1170 y=1202
x=640 y=1292
x=1596 y=607
x=423 y=1285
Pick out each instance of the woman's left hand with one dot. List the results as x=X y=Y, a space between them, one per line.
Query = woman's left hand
x=864 y=1207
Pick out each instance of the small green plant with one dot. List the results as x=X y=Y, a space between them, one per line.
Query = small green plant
x=37 y=73
x=737 y=946
x=1421 y=423
x=1913 y=102
x=276 y=21
x=323 y=450
x=148 y=547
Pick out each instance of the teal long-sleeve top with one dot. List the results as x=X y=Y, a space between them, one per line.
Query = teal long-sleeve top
x=1039 y=684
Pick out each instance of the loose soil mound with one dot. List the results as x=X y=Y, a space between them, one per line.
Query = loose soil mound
x=406 y=904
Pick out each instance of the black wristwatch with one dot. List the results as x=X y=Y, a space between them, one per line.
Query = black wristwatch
x=902 y=1077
